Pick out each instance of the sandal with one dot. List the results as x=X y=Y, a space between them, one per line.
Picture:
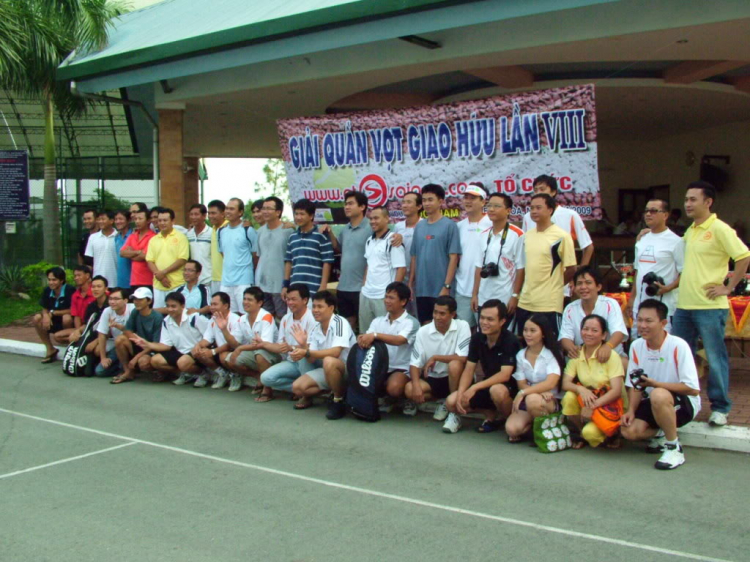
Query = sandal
x=303 y=404
x=614 y=442
x=158 y=377
x=51 y=358
x=515 y=439
x=579 y=444
x=258 y=389
x=488 y=426
x=264 y=397
x=121 y=378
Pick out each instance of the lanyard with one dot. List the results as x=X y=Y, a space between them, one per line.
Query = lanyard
x=502 y=243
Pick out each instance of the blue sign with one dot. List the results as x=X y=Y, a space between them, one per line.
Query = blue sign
x=14 y=185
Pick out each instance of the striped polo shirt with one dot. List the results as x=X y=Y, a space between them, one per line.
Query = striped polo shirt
x=308 y=251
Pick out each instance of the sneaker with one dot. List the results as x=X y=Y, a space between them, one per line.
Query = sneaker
x=452 y=424
x=235 y=382
x=410 y=408
x=656 y=443
x=336 y=409
x=202 y=380
x=671 y=458
x=221 y=378
x=184 y=378
x=385 y=406
x=717 y=419
x=441 y=412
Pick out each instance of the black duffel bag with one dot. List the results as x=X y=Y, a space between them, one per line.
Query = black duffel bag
x=367 y=373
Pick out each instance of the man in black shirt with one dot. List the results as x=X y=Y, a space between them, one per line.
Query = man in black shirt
x=89 y=227
x=54 y=323
x=495 y=348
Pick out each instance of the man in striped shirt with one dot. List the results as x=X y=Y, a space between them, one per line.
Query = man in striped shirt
x=309 y=253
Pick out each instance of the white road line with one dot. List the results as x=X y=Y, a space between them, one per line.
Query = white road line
x=63 y=461
x=365 y=491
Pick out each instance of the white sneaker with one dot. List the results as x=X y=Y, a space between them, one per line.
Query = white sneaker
x=717 y=419
x=410 y=408
x=184 y=378
x=203 y=379
x=452 y=424
x=671 y=458
x=235 y=382
x=221 y=378
x=385 y=406
x=441 y=412
x=656 y=443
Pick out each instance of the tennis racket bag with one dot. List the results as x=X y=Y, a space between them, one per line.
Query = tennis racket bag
x=76 y=362
x=367 y=371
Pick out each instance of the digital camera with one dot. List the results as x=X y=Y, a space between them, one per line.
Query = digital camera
x=651 y=279
x=489 y=270
x=635 y=378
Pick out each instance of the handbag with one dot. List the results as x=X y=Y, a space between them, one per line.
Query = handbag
x=607 y=417
x=551 y=434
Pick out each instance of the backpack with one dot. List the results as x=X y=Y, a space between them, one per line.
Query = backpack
x=76 y=362
x=367 y=371
x=247 y=235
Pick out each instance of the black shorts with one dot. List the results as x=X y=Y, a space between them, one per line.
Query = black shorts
x=172 y=356
x=683 y=409
x=483 y=401
x=56 y=325
x=439 y=387
x=348 y=303
x=553 y=319
x=425 y=305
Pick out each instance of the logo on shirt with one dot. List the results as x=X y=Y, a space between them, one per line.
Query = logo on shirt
x=429 y=237
x=707 y=236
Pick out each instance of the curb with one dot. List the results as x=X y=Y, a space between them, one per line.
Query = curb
x=694 y=434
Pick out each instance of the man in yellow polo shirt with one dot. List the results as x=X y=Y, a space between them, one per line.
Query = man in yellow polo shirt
x=547 y=265
x=216 y=217
x=702 y=306
x=166 y=256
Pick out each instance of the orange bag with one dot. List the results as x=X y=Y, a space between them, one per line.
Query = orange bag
x=607 y=417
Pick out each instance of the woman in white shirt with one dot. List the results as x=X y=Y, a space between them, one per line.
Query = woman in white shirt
x=539 y=367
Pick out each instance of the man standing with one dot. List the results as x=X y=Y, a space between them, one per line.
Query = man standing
x=89 y=227
x=218 y=220
x=135 y=250
x=111 y=325
x=199 y=239
x=351 y=245
x=501 y=245
x=101 y=247
x=385 y=264
x=166 y=256
x=273 y=239
x=471 y=233
x=549 y=263
x=326 y=348
x=702 y=305
x=309 y=254
x=434 y=253
x=122 y=225
x=495 y=348
x=411 y=205
x=144 y=322
x=238 y=245
x=438 y=358
x=257 y=211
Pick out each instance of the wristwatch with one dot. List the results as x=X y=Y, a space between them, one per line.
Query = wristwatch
x=447 y=285
x=514 y=295
x=375 y=335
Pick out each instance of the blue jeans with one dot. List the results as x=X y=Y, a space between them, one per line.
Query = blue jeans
x=113 y=369
x=709 y=325
x=282 y=375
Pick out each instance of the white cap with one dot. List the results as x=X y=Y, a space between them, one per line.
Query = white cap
x=142 y=293
x=476 y=191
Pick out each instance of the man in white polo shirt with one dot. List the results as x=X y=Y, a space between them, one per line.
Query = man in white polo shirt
x=101 y=248
x=199 y=238
x=110 y=325
x=398 y=330
x=438 y=358
x=385 y=264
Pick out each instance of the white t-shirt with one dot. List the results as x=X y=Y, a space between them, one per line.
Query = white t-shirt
x=213 y=334
x=571 y=222
x=430 y=341
x=471 y=235
x=382 y=262
x=405 y=326
x=285 y=335
x=407 y=234
x=338 y=334
x=200 y=251
x=664 y=254
x=187 y=334
x=264 y=326
x=501 y=286
x=606 y=307
x=672 y=363
x=545 y=365
x=102 y=249
x=109 y=314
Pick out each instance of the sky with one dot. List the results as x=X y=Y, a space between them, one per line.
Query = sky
x=234 y=177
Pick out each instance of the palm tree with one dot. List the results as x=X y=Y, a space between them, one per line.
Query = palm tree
x=35 y=37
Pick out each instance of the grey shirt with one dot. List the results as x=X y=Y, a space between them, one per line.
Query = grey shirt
x=352 y=241
x=272 y=245
x=431 y=246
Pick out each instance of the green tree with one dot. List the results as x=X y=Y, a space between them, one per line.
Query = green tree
x=274 y=184
x=36 y=36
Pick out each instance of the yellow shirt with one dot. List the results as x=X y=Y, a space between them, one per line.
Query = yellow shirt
x=545 y=257
x=217 y=260
x=708 y=248
x=164 y=251
x=591 y=373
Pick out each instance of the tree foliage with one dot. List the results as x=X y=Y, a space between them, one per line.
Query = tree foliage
x=275 y=183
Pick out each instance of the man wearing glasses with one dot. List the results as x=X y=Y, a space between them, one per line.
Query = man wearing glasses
x=273 y=238
x=110 y=326
x=659 y=254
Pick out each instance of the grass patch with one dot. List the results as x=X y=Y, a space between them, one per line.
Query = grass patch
x=15 y=309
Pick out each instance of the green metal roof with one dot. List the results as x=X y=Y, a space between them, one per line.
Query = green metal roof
x=176 y=28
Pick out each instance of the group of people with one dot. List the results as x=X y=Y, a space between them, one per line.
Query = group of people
x=473 y=313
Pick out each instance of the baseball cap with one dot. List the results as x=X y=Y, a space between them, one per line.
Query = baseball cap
x=476 y=191
x=142 y=293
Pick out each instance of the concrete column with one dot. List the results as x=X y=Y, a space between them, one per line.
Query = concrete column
x=179 y=189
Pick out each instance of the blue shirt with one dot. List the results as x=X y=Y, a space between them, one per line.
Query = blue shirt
x=308 y=251
x=238 y=244
x=193 y=297
x=432 y=246
x=123 y=264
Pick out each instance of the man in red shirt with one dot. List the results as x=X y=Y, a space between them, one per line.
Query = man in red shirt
x=135 y=249
x=82 y=296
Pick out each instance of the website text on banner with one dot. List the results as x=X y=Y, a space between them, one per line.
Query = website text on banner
x=504 y=142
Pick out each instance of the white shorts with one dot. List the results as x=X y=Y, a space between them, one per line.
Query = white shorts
x=160 y=298
x=235 y=293
x=215 y=287
x=319 y=376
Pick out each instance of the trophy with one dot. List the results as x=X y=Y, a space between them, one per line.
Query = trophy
x=626 y=270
